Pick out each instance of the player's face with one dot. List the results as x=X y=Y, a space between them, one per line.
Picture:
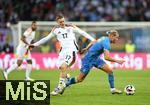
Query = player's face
x=114 y=38
x=34 y=26
x=61 y=22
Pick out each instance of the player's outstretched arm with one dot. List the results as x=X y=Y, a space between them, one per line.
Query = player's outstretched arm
x=45 y=39
x=84 y=50
x=109 y=58
x=85 y=34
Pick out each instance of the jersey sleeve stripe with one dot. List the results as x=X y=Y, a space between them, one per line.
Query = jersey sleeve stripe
x=76 y=45
x=74 y=58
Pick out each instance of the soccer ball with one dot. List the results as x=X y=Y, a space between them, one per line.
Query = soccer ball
x=129 y=90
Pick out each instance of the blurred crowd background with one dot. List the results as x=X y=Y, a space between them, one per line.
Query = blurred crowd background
x=13 y=11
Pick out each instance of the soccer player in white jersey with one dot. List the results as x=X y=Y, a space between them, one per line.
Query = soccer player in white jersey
x=66 y=36
x=23 y=52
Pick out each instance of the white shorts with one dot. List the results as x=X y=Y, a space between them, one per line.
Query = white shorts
x=67 y=57
x=23 y=53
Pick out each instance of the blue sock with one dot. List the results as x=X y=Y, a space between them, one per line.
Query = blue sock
x=111 y=80
x=71 y=81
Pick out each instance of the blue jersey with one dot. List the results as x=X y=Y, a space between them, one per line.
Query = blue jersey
x=92 y=59
x=97 y=49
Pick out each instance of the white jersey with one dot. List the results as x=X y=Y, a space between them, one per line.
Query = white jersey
x=22 y=49
x=66 y=37
x=29 y=36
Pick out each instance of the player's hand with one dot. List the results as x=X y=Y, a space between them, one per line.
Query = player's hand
x=83 y=51
x=31 y=46
x=121 y=61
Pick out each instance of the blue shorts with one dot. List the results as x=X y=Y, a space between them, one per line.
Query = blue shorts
x=86 y=66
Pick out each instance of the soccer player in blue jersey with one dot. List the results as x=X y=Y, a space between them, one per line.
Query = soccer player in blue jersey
x=92 y=59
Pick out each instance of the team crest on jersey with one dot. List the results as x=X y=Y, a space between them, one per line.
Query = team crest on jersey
x=59 y=32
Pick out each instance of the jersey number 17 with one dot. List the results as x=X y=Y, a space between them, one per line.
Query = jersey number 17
x=64 y=35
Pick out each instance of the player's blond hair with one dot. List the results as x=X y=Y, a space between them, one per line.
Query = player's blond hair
x=115 y=32
x=59 y=17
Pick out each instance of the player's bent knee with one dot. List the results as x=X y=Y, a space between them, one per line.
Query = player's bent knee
x=19 y=62
x=110 y=72
x=107 y=69
x=64 y=67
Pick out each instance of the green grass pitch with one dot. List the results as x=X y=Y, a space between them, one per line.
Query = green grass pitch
x=94 y=90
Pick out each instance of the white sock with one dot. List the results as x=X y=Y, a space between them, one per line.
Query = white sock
x=28 y=70
x=11 y=68
x=61 y=82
